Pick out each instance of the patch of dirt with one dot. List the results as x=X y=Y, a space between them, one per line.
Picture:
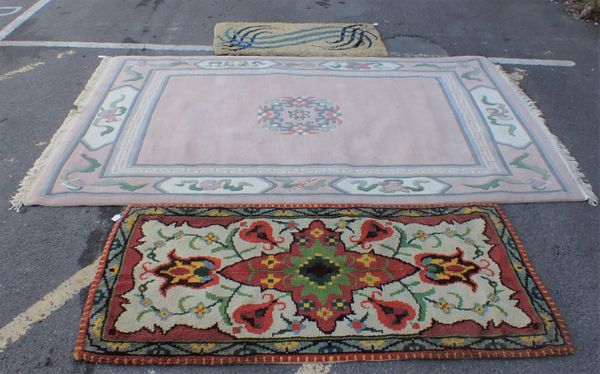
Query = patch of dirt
x=585 y=9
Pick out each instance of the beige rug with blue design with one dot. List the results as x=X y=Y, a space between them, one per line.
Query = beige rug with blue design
x=298 y=39
x=302 y=130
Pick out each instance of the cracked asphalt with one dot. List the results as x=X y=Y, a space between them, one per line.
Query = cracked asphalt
x=43 y=246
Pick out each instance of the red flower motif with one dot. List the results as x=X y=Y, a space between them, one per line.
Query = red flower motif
x=371 y=231
x=357 y=325
x=257 y=318
x=394 y=315
x=296 y=327
x=260 y=232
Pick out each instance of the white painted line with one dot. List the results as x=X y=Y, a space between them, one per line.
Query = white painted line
x=22 y=18
x=314 y=369
x=97 y=45
x=8 y=10
x=208 y=48
x=39 y=311
x=532 y=61
x=67 y=53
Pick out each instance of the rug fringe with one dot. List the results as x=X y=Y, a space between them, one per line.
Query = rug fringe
x=584 y=184
x=17 y=201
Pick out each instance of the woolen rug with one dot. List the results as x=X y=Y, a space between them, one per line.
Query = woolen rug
x=298 y=39
x=290 y=284
x=271 y=130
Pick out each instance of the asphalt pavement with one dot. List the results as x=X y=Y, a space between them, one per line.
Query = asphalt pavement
x=43 y=246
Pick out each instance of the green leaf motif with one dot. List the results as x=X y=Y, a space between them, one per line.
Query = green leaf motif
x=142 y=313
x=520 y=163
x=390 y=186
x=511 y=127
x=500 y=309
x=404 y=243
x=420 y=299
x=169 y=65
x=495 y=183
x=288 y=182
x=225 y=184
x=228 y=245
x=364 y=186
x=122 y=185
x=231 y=187
x=181 y=301
x=113 y=104
x=499 y=112
x=222 y=306
x=91 y=166
x=435 y=66
x=472 y=75
x=487 y=101
x=135 y=76
x=459 y=298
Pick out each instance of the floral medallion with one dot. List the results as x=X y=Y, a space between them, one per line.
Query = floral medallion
x=299 y=115
x=320 y=274
x=224 y=285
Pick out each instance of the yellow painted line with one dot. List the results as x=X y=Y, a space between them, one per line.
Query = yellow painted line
x=39 y=311
x=21 y=70
x=53 y=301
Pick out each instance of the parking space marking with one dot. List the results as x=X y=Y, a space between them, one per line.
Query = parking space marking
x=100 y=45
x=208 y=48
x=21 y=70
x=66 y=53
x=314 y=369
x=22 y=18
x=532 y=61
x=54 y=300
x=39 y=311
x=8 y=10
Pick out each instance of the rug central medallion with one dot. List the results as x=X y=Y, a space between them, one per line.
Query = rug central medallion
x=299 y=115
x=320 y=273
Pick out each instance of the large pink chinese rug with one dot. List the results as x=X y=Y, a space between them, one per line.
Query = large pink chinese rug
x=281 y=130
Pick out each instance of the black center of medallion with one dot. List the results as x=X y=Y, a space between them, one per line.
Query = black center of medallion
x=319 y=270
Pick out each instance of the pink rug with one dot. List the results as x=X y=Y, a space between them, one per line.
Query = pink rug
x=273 y=130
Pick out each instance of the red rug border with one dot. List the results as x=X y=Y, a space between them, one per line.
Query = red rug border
x=81 y=355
